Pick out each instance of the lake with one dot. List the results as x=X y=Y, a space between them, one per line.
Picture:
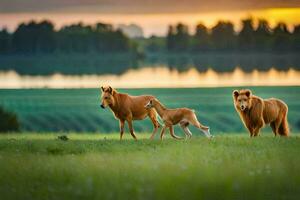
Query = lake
x=78 y=64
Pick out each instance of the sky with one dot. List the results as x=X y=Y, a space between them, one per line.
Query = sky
x=152 y=15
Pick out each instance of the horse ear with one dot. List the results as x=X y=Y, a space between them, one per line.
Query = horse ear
x=248 y=93
x=113 y=91
x=110 y=89
x=235 y=94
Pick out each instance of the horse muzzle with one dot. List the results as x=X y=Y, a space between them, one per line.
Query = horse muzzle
x=243 y=107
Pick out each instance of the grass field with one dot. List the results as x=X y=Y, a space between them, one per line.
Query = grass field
x=55 y=110
x=99 y=166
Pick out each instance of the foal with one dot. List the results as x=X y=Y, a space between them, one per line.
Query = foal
x=183 y=116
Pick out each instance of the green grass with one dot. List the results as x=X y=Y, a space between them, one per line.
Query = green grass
x=53 y=110
x=89 y=166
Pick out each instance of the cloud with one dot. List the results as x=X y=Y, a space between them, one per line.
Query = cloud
x=138 y=6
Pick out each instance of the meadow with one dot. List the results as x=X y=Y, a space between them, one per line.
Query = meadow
x=78 y=110
x=99 y=166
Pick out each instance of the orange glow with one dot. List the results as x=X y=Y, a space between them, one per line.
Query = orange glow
x=275 y=15
x=160 y=77
x=157 y=23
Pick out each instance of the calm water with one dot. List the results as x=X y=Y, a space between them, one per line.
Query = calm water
x=112 y=64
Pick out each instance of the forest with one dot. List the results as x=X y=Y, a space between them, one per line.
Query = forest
x=42 y=38
x=223 y=37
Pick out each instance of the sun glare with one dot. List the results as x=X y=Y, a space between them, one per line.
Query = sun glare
x=275 y=15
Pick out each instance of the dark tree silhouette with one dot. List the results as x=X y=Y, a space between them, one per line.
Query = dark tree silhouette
x=171 y=38
x=281 y=38
x=46 y=42
x=246 y=35
x=201 y=39
x=5 y=42
x=75 y=38
x=178 y=38
x=34 y=37
x=262 y=35
x=295 y=38
x=223 y=36
x=182 y=38
x=41 y=38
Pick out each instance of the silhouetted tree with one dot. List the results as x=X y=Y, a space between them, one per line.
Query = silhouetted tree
x=178 y=38
x=46 y=42
x=246 y=35
x=295 y=39
x=171 y=38
x=182 y=38
x=75 y=38
x=101 y=34
x=201 y=39
x=5 y=42
x=23 y=39
x=42 y=38
x=119 y=42
x=106 y=39
x=34 y=38
x=281 y=38
x=223 y=36
x=262 y=36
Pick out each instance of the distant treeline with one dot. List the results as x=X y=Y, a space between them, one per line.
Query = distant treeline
x=36 y=48
x=222 y=37
x=41 y=37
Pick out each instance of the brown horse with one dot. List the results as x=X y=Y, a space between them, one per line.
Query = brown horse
x=128 y=108
x=183 y=116
x=256 y=112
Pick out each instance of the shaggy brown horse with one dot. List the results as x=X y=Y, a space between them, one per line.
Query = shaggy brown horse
x=255 y=112
x=182 y=116
x=128 y=108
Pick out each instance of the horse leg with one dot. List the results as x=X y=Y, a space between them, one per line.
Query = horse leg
x=274 y=128
x=259 y=125
x=129 y=121
x=162 y=132
x=121 y=122
x=184 y=126
x=194 y=121
x=152 y=116
x=173 y=134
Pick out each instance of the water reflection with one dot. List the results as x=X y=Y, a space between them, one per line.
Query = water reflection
x=119 y=64
x=155 y=77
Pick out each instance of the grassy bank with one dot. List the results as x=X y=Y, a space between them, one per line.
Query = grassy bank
x=36 y=166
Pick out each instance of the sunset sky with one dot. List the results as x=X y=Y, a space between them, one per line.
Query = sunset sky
x=152 y=15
